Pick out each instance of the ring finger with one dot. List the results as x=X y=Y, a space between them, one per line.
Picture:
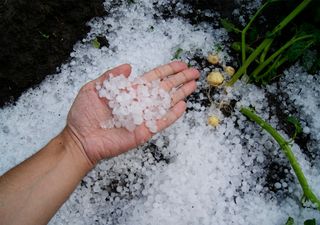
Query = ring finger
x=183 y=92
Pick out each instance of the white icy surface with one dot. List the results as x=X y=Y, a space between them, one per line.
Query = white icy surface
x=188 y=174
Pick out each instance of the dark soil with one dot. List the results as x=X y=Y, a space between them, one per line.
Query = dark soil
x=38 y=36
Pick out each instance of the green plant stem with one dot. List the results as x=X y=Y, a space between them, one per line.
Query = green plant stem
x=244 y=31
x=290 y=17
x=278 y=62
x=250 y=59
x=265 y=52
x=307 y=191
x=268 y=41
x=256 y=72
x=237 y=48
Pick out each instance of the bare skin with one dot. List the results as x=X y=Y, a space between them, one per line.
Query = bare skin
x=33 y=191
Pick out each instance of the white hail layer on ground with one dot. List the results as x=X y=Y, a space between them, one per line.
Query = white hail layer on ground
x=305 y=96
x=133 y=102
x=214 y=176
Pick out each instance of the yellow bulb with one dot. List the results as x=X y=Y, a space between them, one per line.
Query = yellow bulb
x=213 y=121
x=229 y=70
x=213 y=59
x=215 y=78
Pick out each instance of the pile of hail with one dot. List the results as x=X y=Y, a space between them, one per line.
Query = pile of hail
x=133 y=102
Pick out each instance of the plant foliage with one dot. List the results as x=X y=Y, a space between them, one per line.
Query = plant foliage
x=267 y=55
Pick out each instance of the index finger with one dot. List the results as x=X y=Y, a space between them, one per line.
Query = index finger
x=163 y=71
x=124 y=69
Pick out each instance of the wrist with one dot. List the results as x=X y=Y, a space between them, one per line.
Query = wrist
x=72 y=145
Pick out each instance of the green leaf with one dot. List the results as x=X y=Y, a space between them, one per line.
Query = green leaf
x=230 y=27
x=310 y=222
x=95 y=43
x=151 y=28
x=177 y=53
x=297 y=50
x=236 y=46
x=316 y=65
x=306 y=29
x=290 y=221
x=217 y=47
x=294 y=121
x=309 y=59
x=297 y=125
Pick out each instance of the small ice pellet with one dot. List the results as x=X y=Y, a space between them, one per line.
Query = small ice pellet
x=277 y=185
x=119 y=189
x=98 y=87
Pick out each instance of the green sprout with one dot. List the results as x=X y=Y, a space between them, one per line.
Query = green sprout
x=95 y=43
x=217 y=47
x=310 y=222
x=230 y=27
x=177 y=53
x=290 y=221
x=151 y=28
x=308 y=194
x=297 y=126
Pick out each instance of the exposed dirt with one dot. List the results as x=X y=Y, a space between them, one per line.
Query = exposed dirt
x=38 y=36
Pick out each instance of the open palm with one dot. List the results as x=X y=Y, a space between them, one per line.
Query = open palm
x=88 y=111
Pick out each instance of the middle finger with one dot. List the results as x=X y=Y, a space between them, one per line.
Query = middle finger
x=180 y=78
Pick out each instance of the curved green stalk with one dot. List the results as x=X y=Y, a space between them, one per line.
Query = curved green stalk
x=277 y=53
x=307 y=191
x=279 y=61
x=247 y=63
x=236 y=46
x=244 y=31
x=290 y=17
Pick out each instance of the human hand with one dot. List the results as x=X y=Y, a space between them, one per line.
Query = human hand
x=88 y=111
